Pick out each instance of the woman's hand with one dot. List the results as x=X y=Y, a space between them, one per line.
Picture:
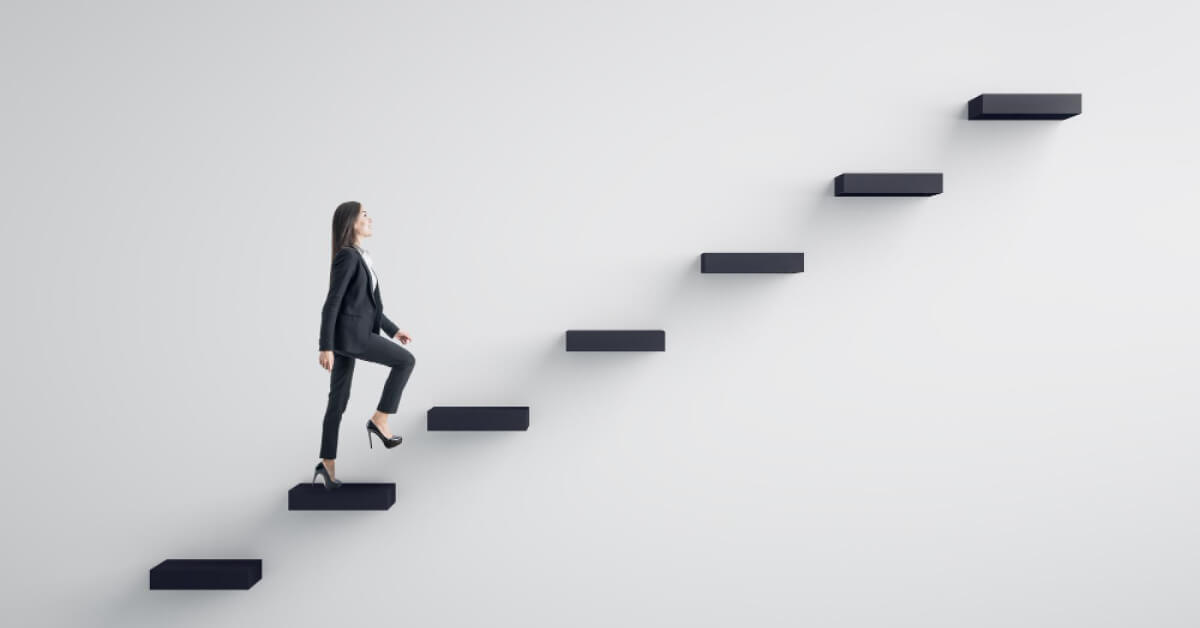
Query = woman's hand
x=402 y=337
x=326 y=359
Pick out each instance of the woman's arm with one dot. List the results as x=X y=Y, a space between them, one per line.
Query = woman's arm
x=340 y=273
x=389 y=328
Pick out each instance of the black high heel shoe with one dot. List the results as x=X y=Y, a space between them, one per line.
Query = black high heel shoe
x=374 y=429
x=329 y=482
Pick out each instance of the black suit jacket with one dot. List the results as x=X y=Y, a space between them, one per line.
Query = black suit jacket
x=352 y=310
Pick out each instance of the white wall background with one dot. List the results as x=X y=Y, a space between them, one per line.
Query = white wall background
x=976 y=409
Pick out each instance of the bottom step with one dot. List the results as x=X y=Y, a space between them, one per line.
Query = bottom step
x=206 y=573
x=348 y=496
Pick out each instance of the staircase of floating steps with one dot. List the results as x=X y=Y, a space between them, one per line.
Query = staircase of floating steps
x=181 y=573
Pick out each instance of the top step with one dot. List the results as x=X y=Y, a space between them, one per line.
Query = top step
x=1024 y=106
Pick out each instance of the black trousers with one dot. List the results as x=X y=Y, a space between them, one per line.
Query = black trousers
x=381 y=351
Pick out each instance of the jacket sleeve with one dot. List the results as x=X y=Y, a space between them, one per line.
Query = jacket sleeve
x=340 y=273
x=389 y=327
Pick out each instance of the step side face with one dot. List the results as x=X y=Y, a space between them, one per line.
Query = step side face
x=206 y=573
x=348 y=496
x=616 y=340
x=752 y=262
x=1024 y=106
x=888 y=184
x=478 y=418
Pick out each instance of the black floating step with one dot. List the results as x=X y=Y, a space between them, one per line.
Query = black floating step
x=206 y=573
x=1024 y=106
x=478 y=418
x=616 y=340
x=887 y=184
x=751 y=262
x=348 y=496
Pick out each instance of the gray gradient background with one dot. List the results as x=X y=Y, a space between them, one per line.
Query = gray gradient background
x=977 y=409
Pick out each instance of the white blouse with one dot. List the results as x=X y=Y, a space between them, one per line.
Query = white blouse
x=371 y=267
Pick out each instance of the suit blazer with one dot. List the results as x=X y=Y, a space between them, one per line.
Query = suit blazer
x=352 y=310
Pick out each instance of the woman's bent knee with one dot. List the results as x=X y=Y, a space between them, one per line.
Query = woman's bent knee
x=403 y=357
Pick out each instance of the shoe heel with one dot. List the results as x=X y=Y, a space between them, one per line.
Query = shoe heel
x=325 y=481
x=370 y=441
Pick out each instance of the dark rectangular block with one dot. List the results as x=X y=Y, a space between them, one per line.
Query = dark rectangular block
x=751 y=262
x=888 y=184
x=478 y=418
x=616 y=340
x=206 y=573
x=1024 y=106
x=348 y=496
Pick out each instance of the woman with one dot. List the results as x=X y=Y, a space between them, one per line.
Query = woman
x=350 y=324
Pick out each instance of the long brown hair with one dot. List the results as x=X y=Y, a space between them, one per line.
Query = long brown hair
x=344 y=218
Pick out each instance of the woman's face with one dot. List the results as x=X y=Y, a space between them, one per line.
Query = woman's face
x=362 y=226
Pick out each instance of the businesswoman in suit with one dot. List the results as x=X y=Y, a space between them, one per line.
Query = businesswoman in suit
x=350 y=324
